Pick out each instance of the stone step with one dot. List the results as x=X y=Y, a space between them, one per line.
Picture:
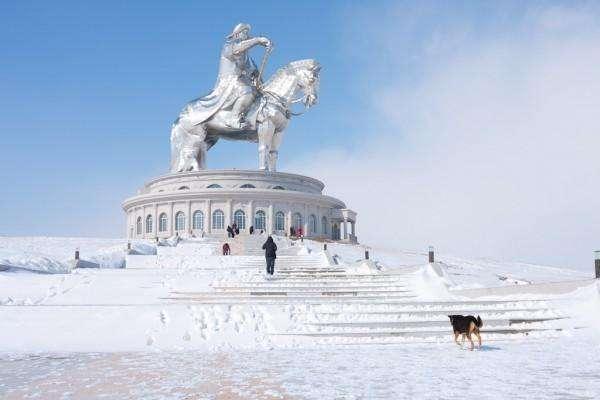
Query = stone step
x=424 y=314
x=330 y=275
x=307 y=294
x=276 y=299
x=444 y=323
x=414 y=333
x=426 y=305
x=312 y=287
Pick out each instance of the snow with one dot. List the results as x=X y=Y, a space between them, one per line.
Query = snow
x=181 y=319
x=56 y=254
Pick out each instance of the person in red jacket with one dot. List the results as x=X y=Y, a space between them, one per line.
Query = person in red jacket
x=226 y=249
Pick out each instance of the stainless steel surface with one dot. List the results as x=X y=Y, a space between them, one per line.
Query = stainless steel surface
x=241 y=107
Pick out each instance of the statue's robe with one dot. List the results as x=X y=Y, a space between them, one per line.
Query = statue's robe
x=234 y=80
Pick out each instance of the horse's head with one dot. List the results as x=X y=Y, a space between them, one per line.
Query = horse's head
x=307 y=72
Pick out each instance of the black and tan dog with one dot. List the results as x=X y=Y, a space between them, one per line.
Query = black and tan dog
x=465 y=326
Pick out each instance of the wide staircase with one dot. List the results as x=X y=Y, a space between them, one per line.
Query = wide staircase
x=332 y=303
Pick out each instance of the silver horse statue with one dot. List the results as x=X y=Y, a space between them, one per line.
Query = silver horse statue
x=241 y=106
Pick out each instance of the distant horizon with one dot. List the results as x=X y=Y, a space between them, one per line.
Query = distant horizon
x=469 y=127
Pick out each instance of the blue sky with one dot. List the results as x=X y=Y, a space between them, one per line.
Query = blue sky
x=89 y=91
x=468 y=125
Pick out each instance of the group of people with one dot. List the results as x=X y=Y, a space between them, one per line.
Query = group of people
x=232 y=230
x=296 y=232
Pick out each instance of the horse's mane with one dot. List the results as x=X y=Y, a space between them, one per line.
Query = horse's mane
x=292 y=67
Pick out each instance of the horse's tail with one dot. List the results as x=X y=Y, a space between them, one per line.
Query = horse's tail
x=177 y=141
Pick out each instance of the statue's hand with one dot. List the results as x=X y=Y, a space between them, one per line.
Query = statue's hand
x=266 y=42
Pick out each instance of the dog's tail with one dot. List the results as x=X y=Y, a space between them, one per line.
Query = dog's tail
x=479 y=322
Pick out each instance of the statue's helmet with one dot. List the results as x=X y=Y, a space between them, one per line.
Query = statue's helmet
x=239 y=28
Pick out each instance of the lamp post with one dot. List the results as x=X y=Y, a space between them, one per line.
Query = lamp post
x=597 y=263
x=431 y=254
x=367 y=252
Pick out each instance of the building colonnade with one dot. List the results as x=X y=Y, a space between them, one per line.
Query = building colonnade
x=210 y=217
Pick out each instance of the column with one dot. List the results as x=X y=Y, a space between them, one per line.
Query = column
x=288 y=218
x=189 y=216
x=155 y=220
x=208 y=216
x=304 y=220
x=270 y=221
x=228 y=213
x=172 y=220
x=128 y=227
x=345 y=228
x=353 y=227
x=250 y=220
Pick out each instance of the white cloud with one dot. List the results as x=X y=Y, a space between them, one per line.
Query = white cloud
x=494 y=150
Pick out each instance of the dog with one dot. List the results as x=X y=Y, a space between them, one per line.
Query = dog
x=465 y=326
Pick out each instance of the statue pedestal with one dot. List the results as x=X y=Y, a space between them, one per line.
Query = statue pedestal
x=207 y=201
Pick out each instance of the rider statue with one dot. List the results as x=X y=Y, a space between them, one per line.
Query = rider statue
x=236 y=86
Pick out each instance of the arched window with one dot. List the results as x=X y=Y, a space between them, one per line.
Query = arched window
x=138 y=226
x=324 y=225
x=218 y=220
x=184 y=188
x=247 y=186
x=239 y=217
x=162 y=222
x=260 y=220
x=213 y=186
x=149 y=224
x=297 y=221
x=180 y=221
x=278 y=188
x=198 y=220
x=312 y=224
x=279 y=221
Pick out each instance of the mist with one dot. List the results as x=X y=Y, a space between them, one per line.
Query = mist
x=479 y=142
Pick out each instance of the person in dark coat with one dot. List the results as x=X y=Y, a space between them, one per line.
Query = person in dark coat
x=252 y=230
x=226 y=249
x=229 y=231
x=270 y=249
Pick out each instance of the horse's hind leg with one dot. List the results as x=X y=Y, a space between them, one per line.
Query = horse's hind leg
x=188 y=149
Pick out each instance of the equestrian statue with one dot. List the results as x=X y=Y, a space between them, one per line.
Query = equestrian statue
x=241 y=106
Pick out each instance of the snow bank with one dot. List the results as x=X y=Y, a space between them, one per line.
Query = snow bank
x=18 y=260
x=432 y=281
x=56 y=255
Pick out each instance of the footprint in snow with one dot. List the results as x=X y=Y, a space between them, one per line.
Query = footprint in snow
x=164 y=317
x=149 y=341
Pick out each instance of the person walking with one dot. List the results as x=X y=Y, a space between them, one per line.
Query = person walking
x=270 y=249
x=226 y=249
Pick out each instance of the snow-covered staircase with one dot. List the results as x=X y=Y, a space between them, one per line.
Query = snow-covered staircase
x=330 y=303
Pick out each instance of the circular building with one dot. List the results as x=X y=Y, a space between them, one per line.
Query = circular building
x=205 y=202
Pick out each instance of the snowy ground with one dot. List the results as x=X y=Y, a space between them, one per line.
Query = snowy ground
x=156 y=333
x=560 y=369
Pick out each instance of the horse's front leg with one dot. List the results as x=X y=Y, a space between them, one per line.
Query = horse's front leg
x=265 y=130
x=275 y=143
